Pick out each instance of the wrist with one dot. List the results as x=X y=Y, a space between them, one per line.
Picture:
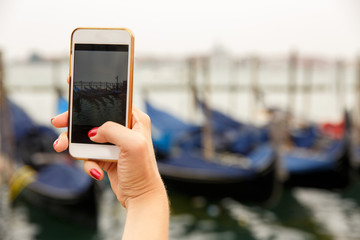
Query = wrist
x=155 y=194
x=148 y=216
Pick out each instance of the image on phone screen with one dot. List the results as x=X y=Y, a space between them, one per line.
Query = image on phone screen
x=99 y=87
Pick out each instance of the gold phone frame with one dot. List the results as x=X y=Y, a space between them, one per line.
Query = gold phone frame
x=130 y=80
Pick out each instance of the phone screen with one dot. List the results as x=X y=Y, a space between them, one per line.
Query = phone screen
x=99 y=87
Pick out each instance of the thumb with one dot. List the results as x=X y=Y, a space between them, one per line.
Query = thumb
x=112 y=132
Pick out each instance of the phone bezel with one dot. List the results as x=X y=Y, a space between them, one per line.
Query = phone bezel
x=85 y=151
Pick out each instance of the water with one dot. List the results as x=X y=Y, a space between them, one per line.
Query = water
x=303 y=214
x=299 y=214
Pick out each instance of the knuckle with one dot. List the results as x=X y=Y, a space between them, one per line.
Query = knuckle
x=141 y=144
x=107 y=125
x=105 y=128
x=147 y=119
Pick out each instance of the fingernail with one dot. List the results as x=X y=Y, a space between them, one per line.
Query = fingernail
x=95 y=173
x=55 y=143
x=52 y=120
x=92 y=132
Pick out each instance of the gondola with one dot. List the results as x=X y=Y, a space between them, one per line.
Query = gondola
x=47 y=179
x=313 y=155
x=316 y=159
x=249 y=177
x=355 y=139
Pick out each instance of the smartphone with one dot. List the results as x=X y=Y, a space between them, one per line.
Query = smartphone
x=101 y=83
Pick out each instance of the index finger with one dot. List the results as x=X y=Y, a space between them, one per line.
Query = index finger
x=61 y=120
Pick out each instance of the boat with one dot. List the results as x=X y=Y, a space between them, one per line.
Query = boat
x=355 y=133
x=355 y=147
x=314 y=156
x=169 y=131
x=248 y=177
x=48 y=180
x=317 y=159
x=235 y=136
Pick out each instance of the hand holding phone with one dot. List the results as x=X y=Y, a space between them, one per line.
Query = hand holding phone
x=101 y=70
x=134 y=179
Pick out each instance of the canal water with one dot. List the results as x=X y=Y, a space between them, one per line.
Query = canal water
x=302 y=214
x=298 y=213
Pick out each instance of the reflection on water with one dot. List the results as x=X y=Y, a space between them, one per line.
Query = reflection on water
x=92 y=112
x=20 y=228
x=339 y=217
x=301 y=214
x=111 y=217
x=187 y=227
x=14 y=223
x=262 y=223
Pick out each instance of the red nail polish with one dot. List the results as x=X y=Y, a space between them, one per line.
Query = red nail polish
x=52 y=120
x=95 y=173
x=55 y=143
x=92 y=132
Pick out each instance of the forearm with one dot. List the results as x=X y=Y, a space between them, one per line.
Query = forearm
x=148 y=217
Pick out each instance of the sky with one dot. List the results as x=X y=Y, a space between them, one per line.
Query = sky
x=328 y=28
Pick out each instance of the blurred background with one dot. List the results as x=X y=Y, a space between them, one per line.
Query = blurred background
x=254 y=107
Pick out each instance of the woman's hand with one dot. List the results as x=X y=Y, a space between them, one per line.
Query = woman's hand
x=135 y=173
x=134 y=178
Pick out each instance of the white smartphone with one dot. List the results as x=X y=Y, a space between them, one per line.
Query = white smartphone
x=101 y=83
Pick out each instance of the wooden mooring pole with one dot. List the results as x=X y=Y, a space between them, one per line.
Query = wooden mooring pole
x=307 y=89
x=6 y=131
x=6 y=165
x=357 y=69
x=207 y=137
x=2 y=109
x=191 y=62
x=292 y=75
x=340 y=85
x=356 y=117
x=255 y=90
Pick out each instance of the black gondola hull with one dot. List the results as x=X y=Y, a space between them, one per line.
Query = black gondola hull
x=339 y=176
x=263 y=187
